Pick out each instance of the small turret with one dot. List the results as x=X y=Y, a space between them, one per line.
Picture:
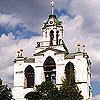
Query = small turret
x=20 y=53
x=78 y=48
x=84 y=49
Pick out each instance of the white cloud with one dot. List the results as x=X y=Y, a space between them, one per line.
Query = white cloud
x=8 y=19
x=74 y=33
x=95 y=77
x=6 y=40
x=90 y=11
x=12 y=23
x=97 y=97
x=8 y=48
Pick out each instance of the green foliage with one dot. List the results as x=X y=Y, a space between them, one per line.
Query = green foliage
x=71 y=91
x=45 y=91
x=58 y=22
x=5 y=92
x=33 y=96
x=45 y=88
x=48 y=91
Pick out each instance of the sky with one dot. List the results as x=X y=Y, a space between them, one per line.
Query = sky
x=20 y=27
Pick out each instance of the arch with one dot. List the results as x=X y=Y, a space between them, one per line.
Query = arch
x=70 y=73
x=50 y=69
x=29 y=76
x=57 y=37
x=51 y=37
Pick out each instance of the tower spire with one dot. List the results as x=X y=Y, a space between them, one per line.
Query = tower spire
x=52 y=7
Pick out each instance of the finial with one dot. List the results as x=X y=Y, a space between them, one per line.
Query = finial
x=84 y=48
x=52 y=7
x=18 y=53
x=21 y=50
x=78 y=47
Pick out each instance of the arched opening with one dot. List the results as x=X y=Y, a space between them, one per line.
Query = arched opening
x=29 y=76
x=70 y=73
x=51 y=37
x=50 y=69
x=57 y=37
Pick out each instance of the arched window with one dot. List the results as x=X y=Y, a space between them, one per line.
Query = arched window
x=29 y=76
x=50 y=69
x=70 y=73
x=57 y=37
x=51 y=37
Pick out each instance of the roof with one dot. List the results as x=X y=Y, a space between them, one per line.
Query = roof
x=25 y=59
x=55 y=50
x=56 y=19
x=69 y=56
x=56 y=22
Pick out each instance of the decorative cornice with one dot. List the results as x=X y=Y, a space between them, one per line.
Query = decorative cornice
x=25 y=59
x=56 y=50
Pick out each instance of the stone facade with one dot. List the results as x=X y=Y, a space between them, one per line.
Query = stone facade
x=49 y=63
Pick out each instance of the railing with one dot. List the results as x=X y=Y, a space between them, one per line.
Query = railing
x=47 y=43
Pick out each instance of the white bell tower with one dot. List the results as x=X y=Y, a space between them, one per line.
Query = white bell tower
x=52 y=29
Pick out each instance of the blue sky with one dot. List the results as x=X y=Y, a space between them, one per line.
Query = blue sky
x=20 y=23
x=19 y=31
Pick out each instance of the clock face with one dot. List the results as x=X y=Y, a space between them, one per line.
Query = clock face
x=51 y=22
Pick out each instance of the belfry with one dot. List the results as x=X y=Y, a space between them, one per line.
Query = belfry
x=51 y=61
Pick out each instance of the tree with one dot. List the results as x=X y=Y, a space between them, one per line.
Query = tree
x=5 y=92
x=69 y=87
x=70 y=91
x=48 y=91
x=33 y=96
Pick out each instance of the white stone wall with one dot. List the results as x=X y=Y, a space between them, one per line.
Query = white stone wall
x=81 y=75
x=19 y=69
x=19 y=90
x=19 y=93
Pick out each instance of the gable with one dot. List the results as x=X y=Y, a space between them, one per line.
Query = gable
x=57 y=51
